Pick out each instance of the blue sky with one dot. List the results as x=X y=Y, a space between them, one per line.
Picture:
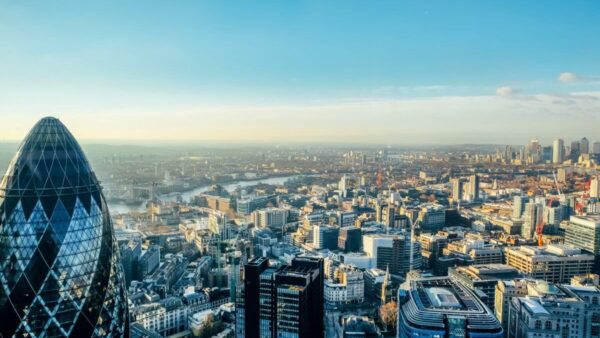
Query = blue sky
x=390 y=72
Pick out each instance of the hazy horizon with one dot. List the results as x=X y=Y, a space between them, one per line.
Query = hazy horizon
x=149 y=143
x=403 y=73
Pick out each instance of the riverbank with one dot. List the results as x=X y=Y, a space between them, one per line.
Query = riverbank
x=122 y=207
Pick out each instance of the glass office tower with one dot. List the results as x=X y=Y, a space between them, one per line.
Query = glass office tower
x=59 y=263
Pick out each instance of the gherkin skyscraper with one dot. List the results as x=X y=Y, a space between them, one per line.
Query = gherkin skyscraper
x=59 y=263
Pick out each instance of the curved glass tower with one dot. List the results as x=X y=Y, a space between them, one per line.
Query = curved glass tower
x=59 y=263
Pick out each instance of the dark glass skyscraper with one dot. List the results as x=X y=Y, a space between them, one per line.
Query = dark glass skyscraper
x=284 y=301
x=59 y=263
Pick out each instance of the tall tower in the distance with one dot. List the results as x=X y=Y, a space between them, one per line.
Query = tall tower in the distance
x=60 y=274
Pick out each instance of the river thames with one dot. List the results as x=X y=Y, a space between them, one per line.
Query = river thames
x=121 y=208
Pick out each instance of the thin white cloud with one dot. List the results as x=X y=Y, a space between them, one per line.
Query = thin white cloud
x=443 y=119
x=507 y=115
x=568 y=77
x=506 y=91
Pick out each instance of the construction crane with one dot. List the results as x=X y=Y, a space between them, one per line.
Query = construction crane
x=539 y=229
x=562 y=197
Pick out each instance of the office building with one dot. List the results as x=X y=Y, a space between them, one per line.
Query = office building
x=285 y=301
x=347 y=287
x=596 y=148
x=595 y=187
x=553 y=263
x=542 y=309
x=432 y=216
x=325 y=237
x=483 y=279
x=558 y=151
x=583 y=232
x=590 y=296
x=575 y=150
x=504 y=293
x=584 y=146
x=531 y=217
x=547 y=153
x=148 y=262
x=388 y=216
x=130 y=254
x=166 y=317
x=473 y=187
x=212 y=202
x=346 y=218
x=474 y=251
x=347 y=184
x=246 y=205
x=61 y=274
x=432 y=247
x=374 y=282
x=270 y=217
x=353 y=279
x=441 y=307
x=457 y=189
x=519 y=203
x=350 y=239
x=392 y=252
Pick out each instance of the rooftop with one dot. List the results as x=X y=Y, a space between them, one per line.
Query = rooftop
x=533 y=305
x=442 y=297
x=587 y=220
x=488 y=272
x=432 y=300
x=552 y=252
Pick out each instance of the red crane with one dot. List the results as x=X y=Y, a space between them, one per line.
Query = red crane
x=539 y=229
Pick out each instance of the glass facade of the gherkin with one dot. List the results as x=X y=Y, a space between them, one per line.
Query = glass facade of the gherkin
x=59 y=263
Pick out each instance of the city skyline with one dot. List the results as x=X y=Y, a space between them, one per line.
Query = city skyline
x=392 y=73
x=311 y=169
